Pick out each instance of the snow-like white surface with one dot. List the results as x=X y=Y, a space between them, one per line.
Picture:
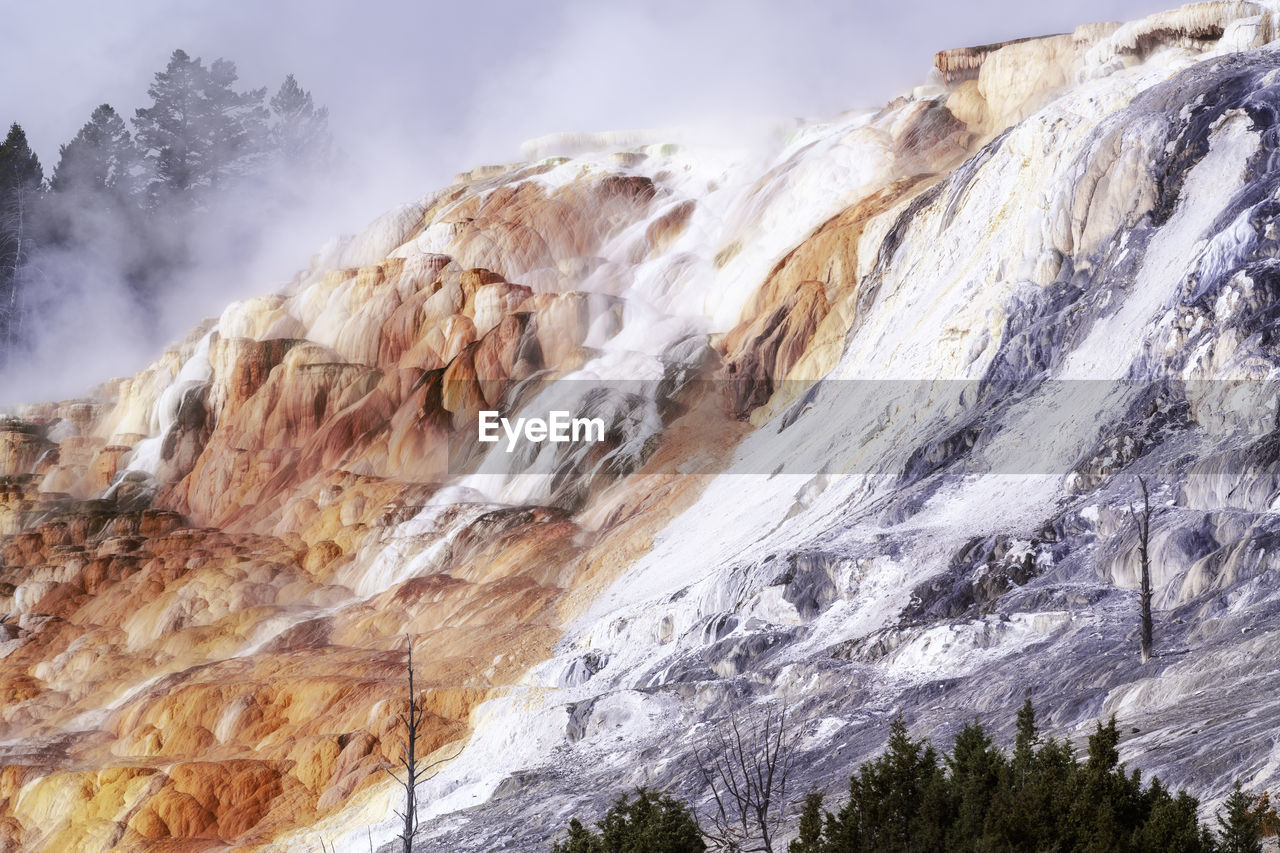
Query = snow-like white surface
x=1116 y=341
x=939 y=314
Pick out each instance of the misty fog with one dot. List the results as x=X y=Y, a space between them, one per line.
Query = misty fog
x=417 y=92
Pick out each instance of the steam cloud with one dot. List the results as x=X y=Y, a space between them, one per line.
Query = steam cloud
x=417 y=92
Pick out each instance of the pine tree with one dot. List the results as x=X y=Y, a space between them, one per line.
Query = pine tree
x=810 y=838
x=650 y=823
x=167 y=129
x=1097 y=810
x=199 y=132
x=21 y=184
x=237 y=124
x=1028 y=737
x=101 y=158
x=1045 y=799
x=96 y=211
x=580 y=840
x=1239 y=830
x=896 y=803
x=1171 y=825
x=19 y=165
x=299 y=133
x=96 y=198
x=976 y=766
x=1104 y=754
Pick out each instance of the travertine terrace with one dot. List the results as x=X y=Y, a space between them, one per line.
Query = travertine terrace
x=209 y=568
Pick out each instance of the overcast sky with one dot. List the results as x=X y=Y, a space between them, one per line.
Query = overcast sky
x=420 y=90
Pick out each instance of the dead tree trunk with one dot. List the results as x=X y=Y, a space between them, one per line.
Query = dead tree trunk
x=415 y=771
x=409 y=761
x=15 y=218
x=1143 y=523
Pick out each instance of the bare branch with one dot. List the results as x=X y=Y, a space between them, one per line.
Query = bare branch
x=409 y=761
x=746 y=769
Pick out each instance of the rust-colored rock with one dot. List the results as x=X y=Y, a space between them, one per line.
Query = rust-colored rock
x=220 y=601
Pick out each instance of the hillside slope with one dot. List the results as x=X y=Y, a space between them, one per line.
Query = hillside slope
x=876 y=401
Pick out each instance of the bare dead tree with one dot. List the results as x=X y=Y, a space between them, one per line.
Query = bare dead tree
x=746 y=767
x=13 y=239
x=1143 y=523
x=414 y=770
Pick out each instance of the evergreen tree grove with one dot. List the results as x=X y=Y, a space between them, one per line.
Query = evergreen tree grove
x=206 y=166
x=977 y=798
